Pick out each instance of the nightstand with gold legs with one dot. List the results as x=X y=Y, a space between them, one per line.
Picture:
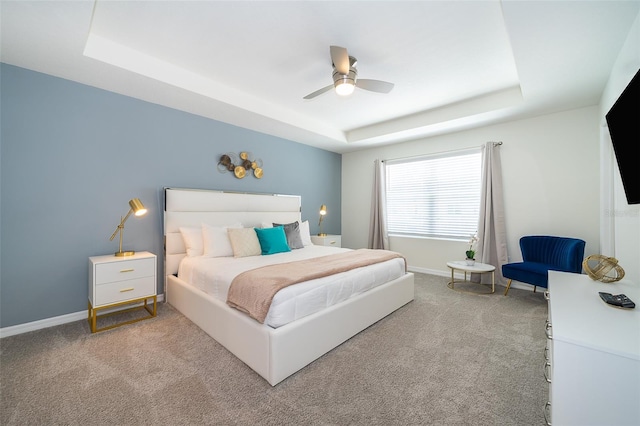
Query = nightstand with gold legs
x=115 y=281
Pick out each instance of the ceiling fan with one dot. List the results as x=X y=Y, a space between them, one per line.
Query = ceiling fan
x=345 y=76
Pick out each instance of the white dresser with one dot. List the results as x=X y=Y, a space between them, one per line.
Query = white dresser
x=593 y=353
x=115 y=281
x=327 y=240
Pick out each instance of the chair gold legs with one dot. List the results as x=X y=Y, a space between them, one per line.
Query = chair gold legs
x=508 y=285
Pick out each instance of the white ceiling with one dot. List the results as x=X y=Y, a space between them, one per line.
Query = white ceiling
x=455 y=64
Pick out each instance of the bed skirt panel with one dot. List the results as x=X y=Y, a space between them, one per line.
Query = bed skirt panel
x=277 y=353
x=241 y=335
x=309 y=338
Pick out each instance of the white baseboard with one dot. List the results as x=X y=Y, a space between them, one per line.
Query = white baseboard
x=460 y=275
x=429 y=271
x=50 y=322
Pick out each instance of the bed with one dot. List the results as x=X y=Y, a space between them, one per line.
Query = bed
x=276 y=348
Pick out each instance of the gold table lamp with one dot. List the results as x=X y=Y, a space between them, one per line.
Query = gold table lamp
x=138 y=209
x=323 y=213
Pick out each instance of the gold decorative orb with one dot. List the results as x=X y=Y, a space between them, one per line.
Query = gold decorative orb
x=258 y=173
x=239 y=172
x=603 y=268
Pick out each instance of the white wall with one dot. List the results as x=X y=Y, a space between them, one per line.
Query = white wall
x=620 y=222
x=551 y=179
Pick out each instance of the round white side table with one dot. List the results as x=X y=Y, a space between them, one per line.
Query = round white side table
x=478 y=268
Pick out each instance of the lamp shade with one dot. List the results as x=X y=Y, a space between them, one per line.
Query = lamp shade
x=138 y=208
x=323 y=210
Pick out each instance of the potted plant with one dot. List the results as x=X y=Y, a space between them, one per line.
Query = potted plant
x=471 y=253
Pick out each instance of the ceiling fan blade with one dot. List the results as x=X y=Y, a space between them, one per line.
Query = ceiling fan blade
x=319 y=92
x=340 y=59
x=374 y=85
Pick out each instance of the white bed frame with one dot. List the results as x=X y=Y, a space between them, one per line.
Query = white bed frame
x=273 y=353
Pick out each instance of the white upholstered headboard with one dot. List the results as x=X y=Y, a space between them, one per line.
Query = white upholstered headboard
x=192 y=207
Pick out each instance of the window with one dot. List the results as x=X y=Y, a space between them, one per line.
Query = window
x=434 y=196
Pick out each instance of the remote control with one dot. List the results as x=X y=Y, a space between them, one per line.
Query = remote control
x=619 y=300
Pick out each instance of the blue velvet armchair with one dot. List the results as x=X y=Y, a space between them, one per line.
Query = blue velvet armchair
x=541 y=253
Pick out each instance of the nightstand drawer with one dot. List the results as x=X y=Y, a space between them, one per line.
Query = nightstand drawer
x=327 y=240
x=125 y=270
x=124 y=290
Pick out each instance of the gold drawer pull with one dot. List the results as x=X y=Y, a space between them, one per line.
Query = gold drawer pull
x=127 y=270
x=332 y=242
x=126 y=289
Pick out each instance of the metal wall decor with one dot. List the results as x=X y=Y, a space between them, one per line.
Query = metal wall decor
x=240 y=165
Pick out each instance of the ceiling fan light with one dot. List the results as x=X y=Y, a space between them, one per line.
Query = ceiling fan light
x=344 y=88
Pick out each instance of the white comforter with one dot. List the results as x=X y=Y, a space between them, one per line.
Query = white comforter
x=213 y=275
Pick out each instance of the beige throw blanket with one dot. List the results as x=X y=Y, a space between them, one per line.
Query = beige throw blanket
x=252 y=291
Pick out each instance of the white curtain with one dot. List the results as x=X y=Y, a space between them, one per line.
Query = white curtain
x=378 y=234
x=492 y=235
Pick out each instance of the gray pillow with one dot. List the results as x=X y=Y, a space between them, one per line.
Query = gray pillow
x=292 y=231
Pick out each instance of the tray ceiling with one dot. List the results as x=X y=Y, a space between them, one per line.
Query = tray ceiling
x=455 y=64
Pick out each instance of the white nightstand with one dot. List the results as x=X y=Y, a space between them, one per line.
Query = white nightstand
x=115 y=281
x=327 y=240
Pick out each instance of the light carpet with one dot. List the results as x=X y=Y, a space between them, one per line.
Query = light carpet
x=447 y=358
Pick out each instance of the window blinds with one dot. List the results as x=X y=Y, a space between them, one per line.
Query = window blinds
x=435 y=196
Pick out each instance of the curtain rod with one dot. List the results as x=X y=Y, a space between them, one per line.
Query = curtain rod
x=436 y=153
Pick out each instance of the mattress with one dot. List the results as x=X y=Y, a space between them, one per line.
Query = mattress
x=213 y=275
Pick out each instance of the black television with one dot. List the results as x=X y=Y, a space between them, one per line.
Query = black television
x=623 y=120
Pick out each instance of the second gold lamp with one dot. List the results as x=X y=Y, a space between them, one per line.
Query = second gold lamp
x=323 y=213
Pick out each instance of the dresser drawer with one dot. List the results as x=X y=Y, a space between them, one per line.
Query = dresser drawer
x=124 y=270
x=120 y=291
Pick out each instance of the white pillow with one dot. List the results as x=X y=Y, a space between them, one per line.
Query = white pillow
x=215 y=240
x=192 y=238
x=305 y=235
x=266 y=225
x=244 y=242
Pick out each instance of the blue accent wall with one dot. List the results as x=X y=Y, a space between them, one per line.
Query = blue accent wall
x=72 y=156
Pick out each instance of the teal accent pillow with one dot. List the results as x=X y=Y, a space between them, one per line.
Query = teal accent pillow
x=272 y=240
